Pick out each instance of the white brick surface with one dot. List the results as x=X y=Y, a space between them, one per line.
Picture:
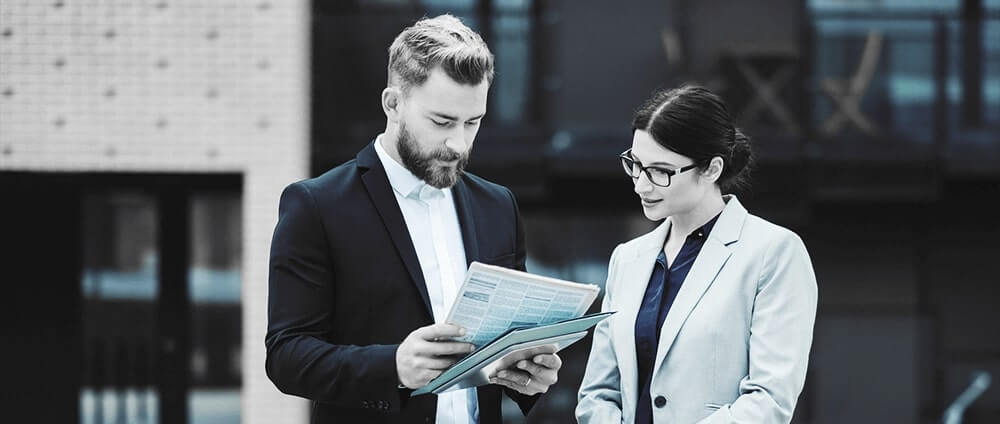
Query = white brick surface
x=168 y=86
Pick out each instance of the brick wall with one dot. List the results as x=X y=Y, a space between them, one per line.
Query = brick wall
x=167 y=86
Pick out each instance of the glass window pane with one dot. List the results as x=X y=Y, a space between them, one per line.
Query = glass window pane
x=119 y=285
x=216 y=328
x=885 y=5
x=216 y=242
x=448 y=4
x=991 y=69
x=512 y=47
x=509 y=5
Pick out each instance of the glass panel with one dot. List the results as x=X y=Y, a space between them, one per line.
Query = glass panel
x=909 y=76
x=991 y=69
x=885 y=5
x=511 y=44
x=444 y=5
x=510 y=5
x=119 y=285
x=954 y=87
x=216 y=312
x=960 y=133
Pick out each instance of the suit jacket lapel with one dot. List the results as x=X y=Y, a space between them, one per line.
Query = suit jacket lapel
x=714 y=254
x=463 y=207
x=638 y=269
x=377 y=183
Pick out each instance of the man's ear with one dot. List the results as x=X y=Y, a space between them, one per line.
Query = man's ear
x=714 y=169
x=391 y=102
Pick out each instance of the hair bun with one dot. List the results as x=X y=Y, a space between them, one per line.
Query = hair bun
x=739 y=137
x=740 y=160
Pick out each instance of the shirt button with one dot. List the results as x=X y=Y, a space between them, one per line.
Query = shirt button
x=660 y=401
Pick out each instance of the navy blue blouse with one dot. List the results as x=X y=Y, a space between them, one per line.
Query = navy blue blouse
x=661 y=290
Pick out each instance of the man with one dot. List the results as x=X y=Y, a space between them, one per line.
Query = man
x=367 y=258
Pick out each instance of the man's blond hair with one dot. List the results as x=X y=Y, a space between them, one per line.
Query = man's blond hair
x=441 y=41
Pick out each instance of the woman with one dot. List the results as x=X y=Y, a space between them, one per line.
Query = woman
x=715 y=306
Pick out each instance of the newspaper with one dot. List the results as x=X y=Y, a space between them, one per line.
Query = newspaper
x=494 y=299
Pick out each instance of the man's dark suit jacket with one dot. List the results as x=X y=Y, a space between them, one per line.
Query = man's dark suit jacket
x=345 y=288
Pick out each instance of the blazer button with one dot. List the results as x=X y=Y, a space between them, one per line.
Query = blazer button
x=660 y=401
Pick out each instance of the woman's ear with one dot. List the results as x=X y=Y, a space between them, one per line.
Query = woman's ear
x=714 y=169
x=391 y=99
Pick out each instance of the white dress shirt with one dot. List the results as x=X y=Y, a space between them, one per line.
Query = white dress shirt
x=432 y=222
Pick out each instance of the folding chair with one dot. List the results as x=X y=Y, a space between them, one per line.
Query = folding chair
x=980 y=382
x=846 y=94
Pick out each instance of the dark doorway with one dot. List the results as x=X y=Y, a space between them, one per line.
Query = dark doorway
x=124 y=298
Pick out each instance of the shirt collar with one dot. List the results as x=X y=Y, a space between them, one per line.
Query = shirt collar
x=705 y=230
x=699 y=233
x=401 y=179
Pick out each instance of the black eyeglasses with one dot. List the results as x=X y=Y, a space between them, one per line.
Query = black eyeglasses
x=657 y=175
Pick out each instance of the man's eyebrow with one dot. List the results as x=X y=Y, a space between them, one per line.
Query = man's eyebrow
x=452 y=118
x=443 y=116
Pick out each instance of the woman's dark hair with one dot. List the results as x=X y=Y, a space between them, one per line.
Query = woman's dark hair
x=694 y=122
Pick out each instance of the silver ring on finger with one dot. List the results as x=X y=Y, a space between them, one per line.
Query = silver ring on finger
x=526 y=383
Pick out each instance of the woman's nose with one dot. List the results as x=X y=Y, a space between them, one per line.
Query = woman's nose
x=642 y=183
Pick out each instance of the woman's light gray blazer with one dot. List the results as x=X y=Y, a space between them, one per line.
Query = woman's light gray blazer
x=734 y=347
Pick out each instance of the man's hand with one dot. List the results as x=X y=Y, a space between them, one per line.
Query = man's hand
x=530 y=377
x=427 y=352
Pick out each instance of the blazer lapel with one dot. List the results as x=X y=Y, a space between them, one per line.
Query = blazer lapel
x=377 y=183
x=714 y=254
x=463 y=207
x=632 y=286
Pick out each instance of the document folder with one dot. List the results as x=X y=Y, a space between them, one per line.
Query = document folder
x=504 y=351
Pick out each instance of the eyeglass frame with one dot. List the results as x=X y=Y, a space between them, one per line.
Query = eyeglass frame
x=627 y=156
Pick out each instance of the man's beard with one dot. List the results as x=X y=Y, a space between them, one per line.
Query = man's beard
x=422 y=164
